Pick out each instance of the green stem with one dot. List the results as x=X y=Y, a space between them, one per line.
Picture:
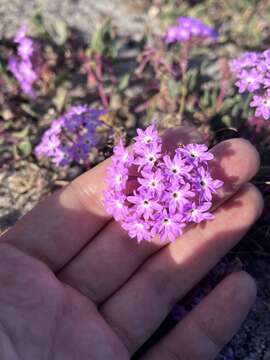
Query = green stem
x=183 y=100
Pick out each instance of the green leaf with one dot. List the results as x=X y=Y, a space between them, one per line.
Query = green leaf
x=124 y=82
x=103 y=42
x=227 y=105
x=173 y=88
x=38 y=21
x=192 y=79
x=61 y=32
x=30 y=110
x=226 y=119
x=214 y=95
x=205 y=99
x=57 y=32
x=23 y=133
x=25 y=148
x=60 y=98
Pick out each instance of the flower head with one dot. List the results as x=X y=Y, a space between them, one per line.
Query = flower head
x=196 y=153
x=206 y=185
x=72 y=137
x=199 y=213
x=188 y=29
x=24 y=65
x=252 y=72
x=116 y=205
x=262 y=104
x=137 y=228
x=178 y=167
x=152 y=181
x=170 y=192
x=168 y=226
x=145 y=204
x=178 y=196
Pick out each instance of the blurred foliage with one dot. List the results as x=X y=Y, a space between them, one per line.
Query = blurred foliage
x=104 y=41
x=138 y=80
x=244 y=23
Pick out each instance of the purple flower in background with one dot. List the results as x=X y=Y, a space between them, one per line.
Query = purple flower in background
x=188 y=29
x=248 y=60
x=177 y=34
x=249 y=81
x=21 y=34
x=168 y=195
x=262 y=104
x=24 y=66
x=252 y=72
x=26 y=49
x=78 y=110
x=73 y=136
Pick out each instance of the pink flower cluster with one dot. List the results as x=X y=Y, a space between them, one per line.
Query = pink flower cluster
x=188 y=29
x=252 y=71
x=170 y=192
x=72 y=136
x=24 y=65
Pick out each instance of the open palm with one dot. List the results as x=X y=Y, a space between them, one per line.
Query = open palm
x=73 y=285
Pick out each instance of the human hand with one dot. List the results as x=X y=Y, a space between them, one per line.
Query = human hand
x=74 y=286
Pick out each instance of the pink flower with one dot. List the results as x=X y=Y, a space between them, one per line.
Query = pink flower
x=71 y=138
x=24 y=65
x=178 y=196
x=189 y=28
x=206 y=185
x=137 y=228
x=115 y=205
x=168 y=226
x=153 y=182
x=176 y=167
x=262 y=104
x=145 y=205
x=196 y=153
x=200 y=213
x=171 y=192
x=252 y=75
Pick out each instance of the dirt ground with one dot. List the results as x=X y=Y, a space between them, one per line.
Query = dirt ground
x=86 y=15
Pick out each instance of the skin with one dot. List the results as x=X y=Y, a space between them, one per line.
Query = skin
x=74 y=286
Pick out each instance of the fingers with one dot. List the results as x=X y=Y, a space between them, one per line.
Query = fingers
x=138 y=308
x=57 y=228
x=209 y=327
x=112 y=257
